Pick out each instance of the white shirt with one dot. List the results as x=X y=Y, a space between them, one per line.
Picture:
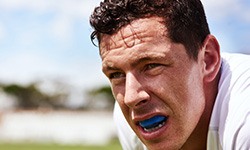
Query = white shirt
x=229 y=127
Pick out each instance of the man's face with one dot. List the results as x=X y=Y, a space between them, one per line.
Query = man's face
x=157 y=85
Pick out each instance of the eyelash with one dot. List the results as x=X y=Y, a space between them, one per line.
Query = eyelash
x=151 y=66
x=116 y=75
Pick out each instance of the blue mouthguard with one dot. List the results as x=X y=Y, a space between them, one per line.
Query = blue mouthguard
x=151 y=122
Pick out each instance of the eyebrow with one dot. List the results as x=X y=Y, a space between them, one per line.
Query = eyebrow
x=152 y=57
x=141 y=60
x=107 y=68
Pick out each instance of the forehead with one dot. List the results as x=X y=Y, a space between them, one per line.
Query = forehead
x=135 y=33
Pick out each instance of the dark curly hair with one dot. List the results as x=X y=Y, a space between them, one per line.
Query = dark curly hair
x=185 y=19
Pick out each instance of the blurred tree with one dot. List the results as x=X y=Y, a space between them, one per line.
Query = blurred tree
x=101 y=98
x=30 y=97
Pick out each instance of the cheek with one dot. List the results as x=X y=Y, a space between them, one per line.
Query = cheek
x=193 y=97
x=179 y=90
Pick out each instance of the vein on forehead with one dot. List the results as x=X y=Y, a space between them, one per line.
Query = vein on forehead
x=132 y=33
x=126 y=37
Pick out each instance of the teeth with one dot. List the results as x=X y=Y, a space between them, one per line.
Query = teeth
x=154 y=128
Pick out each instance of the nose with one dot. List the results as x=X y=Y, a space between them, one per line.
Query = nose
x=135 y=92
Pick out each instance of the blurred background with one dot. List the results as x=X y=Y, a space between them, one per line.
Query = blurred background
x=52 y=90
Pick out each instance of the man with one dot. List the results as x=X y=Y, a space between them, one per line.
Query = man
x=173 y=88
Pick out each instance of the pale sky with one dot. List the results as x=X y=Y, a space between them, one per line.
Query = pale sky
x=42 y=39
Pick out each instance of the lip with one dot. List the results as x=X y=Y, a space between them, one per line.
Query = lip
x=151 y=135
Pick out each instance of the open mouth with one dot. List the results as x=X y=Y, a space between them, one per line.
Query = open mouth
x=153 y=124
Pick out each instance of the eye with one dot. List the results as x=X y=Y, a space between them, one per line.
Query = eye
x=154 y=69
x=151 y=66
x=116 y=75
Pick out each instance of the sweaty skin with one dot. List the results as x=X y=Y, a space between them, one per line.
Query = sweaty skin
x=152 y=76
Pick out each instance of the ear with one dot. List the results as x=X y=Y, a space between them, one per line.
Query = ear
x=211 y=58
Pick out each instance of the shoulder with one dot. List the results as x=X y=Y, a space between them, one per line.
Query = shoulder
x=242 y=134
x=231 y=114
x=234 y=84
x=234 y=61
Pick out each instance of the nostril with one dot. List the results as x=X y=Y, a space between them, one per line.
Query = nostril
x=141 y=102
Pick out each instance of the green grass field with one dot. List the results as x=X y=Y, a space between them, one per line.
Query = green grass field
x=114 y=145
